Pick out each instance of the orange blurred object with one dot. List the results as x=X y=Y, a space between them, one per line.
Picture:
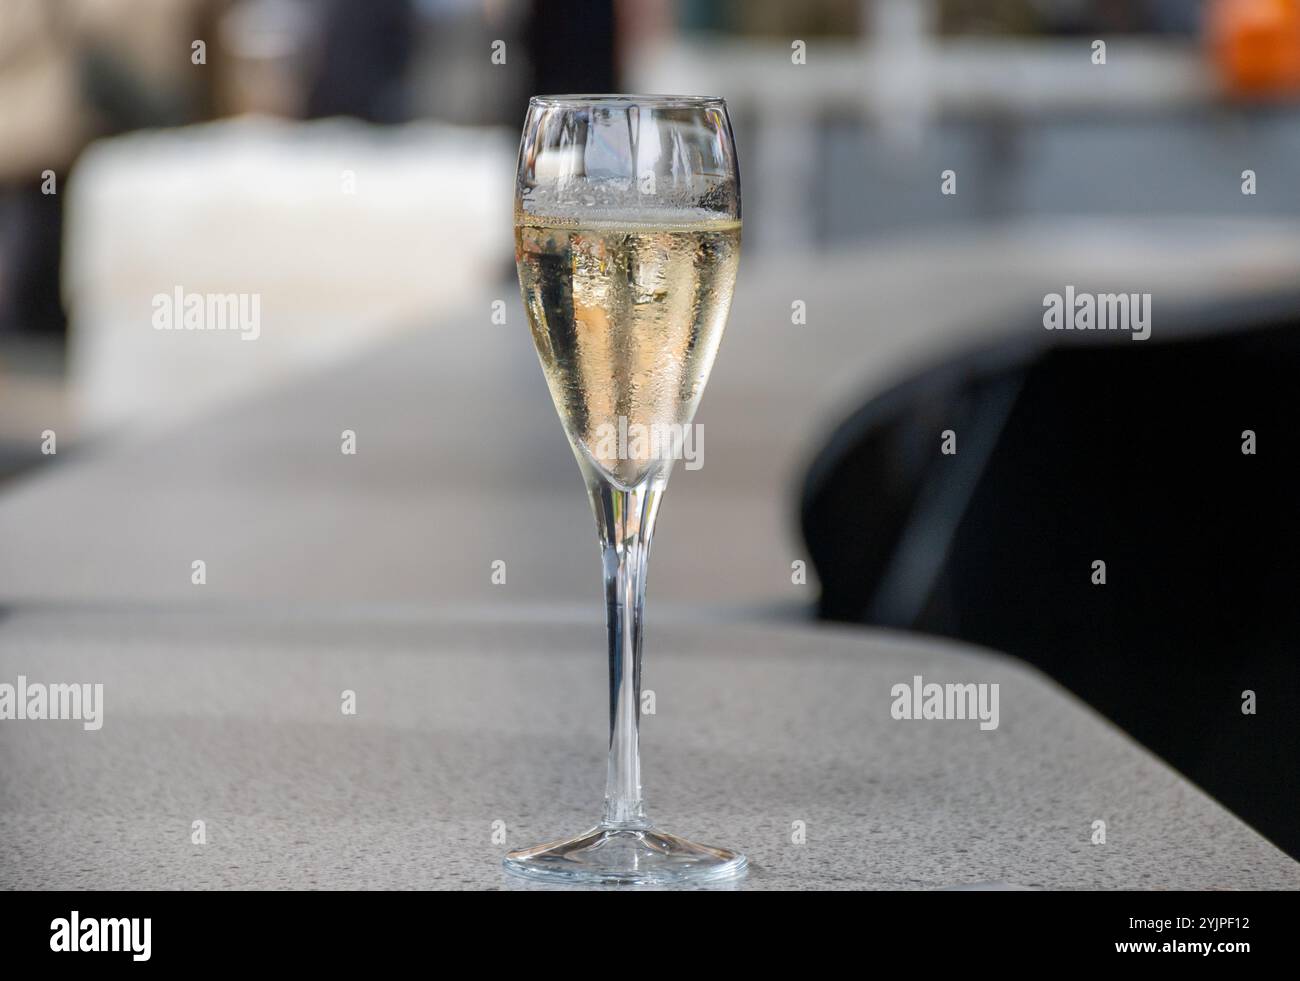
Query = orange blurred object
x=1255 y=45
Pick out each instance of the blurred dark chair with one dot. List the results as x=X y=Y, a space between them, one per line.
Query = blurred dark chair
x=366 y=51
x=1106 y=448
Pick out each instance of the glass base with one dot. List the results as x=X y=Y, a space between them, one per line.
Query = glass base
x=631 y=855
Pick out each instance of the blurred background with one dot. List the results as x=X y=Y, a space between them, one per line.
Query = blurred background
x=351 y=162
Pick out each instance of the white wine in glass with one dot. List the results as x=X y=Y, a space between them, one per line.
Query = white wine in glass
x=627 y=241
x=627 y=312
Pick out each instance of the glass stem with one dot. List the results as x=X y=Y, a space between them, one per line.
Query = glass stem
x=625 y=520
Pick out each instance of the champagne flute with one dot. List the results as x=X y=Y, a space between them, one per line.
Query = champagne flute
x=627 y=240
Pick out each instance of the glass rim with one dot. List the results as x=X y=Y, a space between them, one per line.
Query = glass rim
x=579 y=100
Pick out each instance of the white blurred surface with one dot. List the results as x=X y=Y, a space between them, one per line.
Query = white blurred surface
x=461 y=460
x=260 y=206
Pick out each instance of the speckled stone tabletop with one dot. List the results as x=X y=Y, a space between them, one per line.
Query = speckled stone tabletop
x=471 y=726
x=326 y=572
